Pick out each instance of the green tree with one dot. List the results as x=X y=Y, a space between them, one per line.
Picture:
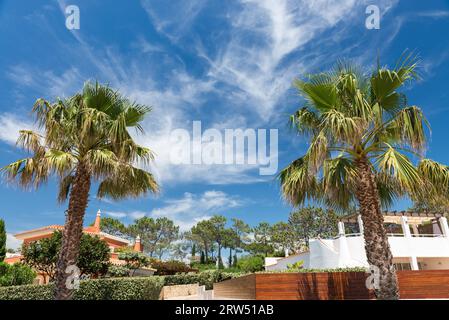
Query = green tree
x=85 y=139
x=311 y=222
x=362 y=131
x=241 y=230
x=283 y=236
x=113 y=226
x=156 y=234
x=15 y=275
x=261 y=244
x=42 y=255
x=134 y=260
x=202 y=233
x=219 y=235
x=202 y=258
x=94 y=255
x=2 y=240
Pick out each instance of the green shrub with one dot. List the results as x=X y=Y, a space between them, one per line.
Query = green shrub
x=146 y=288
x=170 y=267
x=118 y=271
x=251 y=263
x=138 y=288
x=303 y=270
x=16 y=274
x=206 y=278
x=296 y=266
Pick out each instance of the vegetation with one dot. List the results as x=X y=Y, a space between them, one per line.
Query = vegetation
x=138 y=288
x=15 y=275
x=363 y=134
x=85 y=139
x=145 y=288
x=251 y=263
x=42 y=255
x=2 y=240
x=134 y=260
x=170 y=267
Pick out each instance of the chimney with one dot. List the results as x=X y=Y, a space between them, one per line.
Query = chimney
x=138 y=245
x=96 y=227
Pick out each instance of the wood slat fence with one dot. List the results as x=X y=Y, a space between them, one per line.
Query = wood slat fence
x=330 y=286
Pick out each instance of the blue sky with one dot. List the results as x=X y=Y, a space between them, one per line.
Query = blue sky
x=229 y=64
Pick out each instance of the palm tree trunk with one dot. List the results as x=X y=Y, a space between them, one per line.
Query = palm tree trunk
x=73 y=230
x=376 y=241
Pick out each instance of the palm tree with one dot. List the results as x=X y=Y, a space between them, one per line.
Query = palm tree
x=85 y=140
x=363 y=134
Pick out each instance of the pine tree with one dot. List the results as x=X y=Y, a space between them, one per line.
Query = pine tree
x=203 y=258
x=193 y=250
x=234 y=261
x=2 y=240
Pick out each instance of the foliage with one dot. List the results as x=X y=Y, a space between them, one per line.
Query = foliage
x=251 y=263
x=262 y=240
x=156 y=234
x=16 y=274
x=328 y=270
x=118 y=271
x=134 y=260
x=82 y=141
x=42 y=255
x=170 y=267
x=2 y=240
x=113 y=226
x=202 y=258
x=352 y=116
x=312 y=222
x=206 y=278
x=296 y=266
x=139 y=288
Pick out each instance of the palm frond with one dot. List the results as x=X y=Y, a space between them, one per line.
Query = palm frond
x=297 y=184
x=392 y=162
x=128 y=181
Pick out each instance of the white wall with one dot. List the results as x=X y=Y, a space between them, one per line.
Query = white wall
x=282 y=263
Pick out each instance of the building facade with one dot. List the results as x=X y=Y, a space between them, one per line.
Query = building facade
x=113 y=242
x=418 y=241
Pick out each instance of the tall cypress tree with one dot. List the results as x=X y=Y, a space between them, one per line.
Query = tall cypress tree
x=2 y=240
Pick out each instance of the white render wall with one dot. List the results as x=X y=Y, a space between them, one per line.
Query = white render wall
x=431 y=252
x=273 y=264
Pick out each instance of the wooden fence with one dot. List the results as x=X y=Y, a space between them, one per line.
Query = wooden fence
x=330 y=286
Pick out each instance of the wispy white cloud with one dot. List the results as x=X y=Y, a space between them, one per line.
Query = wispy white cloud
x=187 y=210
x=47 y=82
x=10 y=125
x=192 y=208
x=12 y=242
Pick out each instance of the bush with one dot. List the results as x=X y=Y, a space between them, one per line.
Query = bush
x=118 y=271
x=147 y=288
x=251 y=263
x=16 y=274
x=206 y=278
x=303 y=270
x=170 y=267
x=296 y=266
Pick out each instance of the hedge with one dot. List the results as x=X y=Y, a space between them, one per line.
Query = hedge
x=305 y=270
x=142 y=288
x=205 y=278
x=135 y=288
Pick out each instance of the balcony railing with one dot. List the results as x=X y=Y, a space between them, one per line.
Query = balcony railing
x=423 y=235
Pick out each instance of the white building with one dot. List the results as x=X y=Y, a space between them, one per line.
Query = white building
x=417 y=242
